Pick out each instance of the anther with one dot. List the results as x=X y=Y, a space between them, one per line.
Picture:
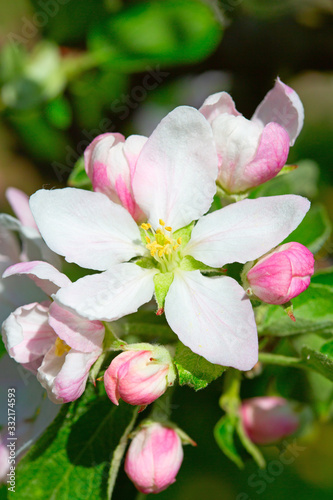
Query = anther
x=168 y=228
x=162 y=223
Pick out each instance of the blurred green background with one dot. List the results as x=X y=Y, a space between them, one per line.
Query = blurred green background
x=72 y=69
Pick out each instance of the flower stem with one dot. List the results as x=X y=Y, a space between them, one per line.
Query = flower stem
x=278 y=359
x=119 y=453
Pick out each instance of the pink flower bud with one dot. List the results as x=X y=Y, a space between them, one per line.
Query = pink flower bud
x=268 y=419
x=282 y=274
x=139 y=376
x=154 y=458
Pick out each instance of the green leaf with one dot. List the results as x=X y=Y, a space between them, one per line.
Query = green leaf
x=72 y=458
x=312 y=309
x=173 y=32
x=194 y=370
x=318 y=361
x=162 y=282
x=314 y=230
x=78 y=177
x=327 y=349
x=224 y=435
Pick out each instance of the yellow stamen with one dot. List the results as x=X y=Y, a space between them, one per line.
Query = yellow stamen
x=162 y=223
x=145 y=226
x=147 y=239
x=175 y=247
x=60 y=347
x=168 y=228
x=179 y=241
x=159 y=231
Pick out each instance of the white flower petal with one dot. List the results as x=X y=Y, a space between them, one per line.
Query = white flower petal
x=214 y=318
x=246 y=230
x=283 y=106
x=86 y=227
x=175 y=174
x=110 y=295
x=217 y=104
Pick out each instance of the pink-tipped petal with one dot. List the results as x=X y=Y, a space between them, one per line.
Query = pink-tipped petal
x=214 y=318
x=246 y=230
x=271 y=156
x=110 y=295
x=217 y=104
x=282 y=105
x=175 y=174
x=78 y=333
x=86 y=227
x=27 y=334
x=47 y=277
x=19 y=202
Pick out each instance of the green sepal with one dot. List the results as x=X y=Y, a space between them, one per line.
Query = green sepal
x=224 y=432
x=189 y=263
x=145 y=262
x=286 y=169
x=162 y=283
x=184 y=233
x=78 y=177
x=194 y=370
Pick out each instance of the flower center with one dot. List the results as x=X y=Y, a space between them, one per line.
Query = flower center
x=61 y=347
x=161 y=244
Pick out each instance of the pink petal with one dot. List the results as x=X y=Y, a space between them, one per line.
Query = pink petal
x=47 y=277
x=19 y=202
x=217 y=104
x=79 y=333
x=283 y=106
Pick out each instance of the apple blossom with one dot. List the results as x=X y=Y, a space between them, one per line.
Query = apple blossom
x=139 y=376
x=268 y=419
x=110 y=162
x=154 y=458
x=282 y=274
x=174 y=185
x=252 y=152
x=57 y=345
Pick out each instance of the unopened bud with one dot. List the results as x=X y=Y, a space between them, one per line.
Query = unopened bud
x=139 y=376
x=154 y=458
x=282 y=274
x=268 y=419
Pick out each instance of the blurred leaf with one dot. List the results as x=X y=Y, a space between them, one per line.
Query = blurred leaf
x=78 y=177
x=327 y=349
x=59 y=113
x=323 y=277
x=224 y=435
x=68 y=22
x=72 y=458
x=312 y=309
x=172 y=32
x=194 y=370
x=314 y=230
x=250 y=447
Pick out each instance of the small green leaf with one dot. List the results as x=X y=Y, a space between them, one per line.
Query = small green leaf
x=327 y=349
x=162 y=283
x=313 y=312
x=224 y=435
x=194 y=370
x=78 y=177
x=318 y=361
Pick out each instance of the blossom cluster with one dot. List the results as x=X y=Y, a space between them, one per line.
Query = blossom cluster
x=149 y=228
